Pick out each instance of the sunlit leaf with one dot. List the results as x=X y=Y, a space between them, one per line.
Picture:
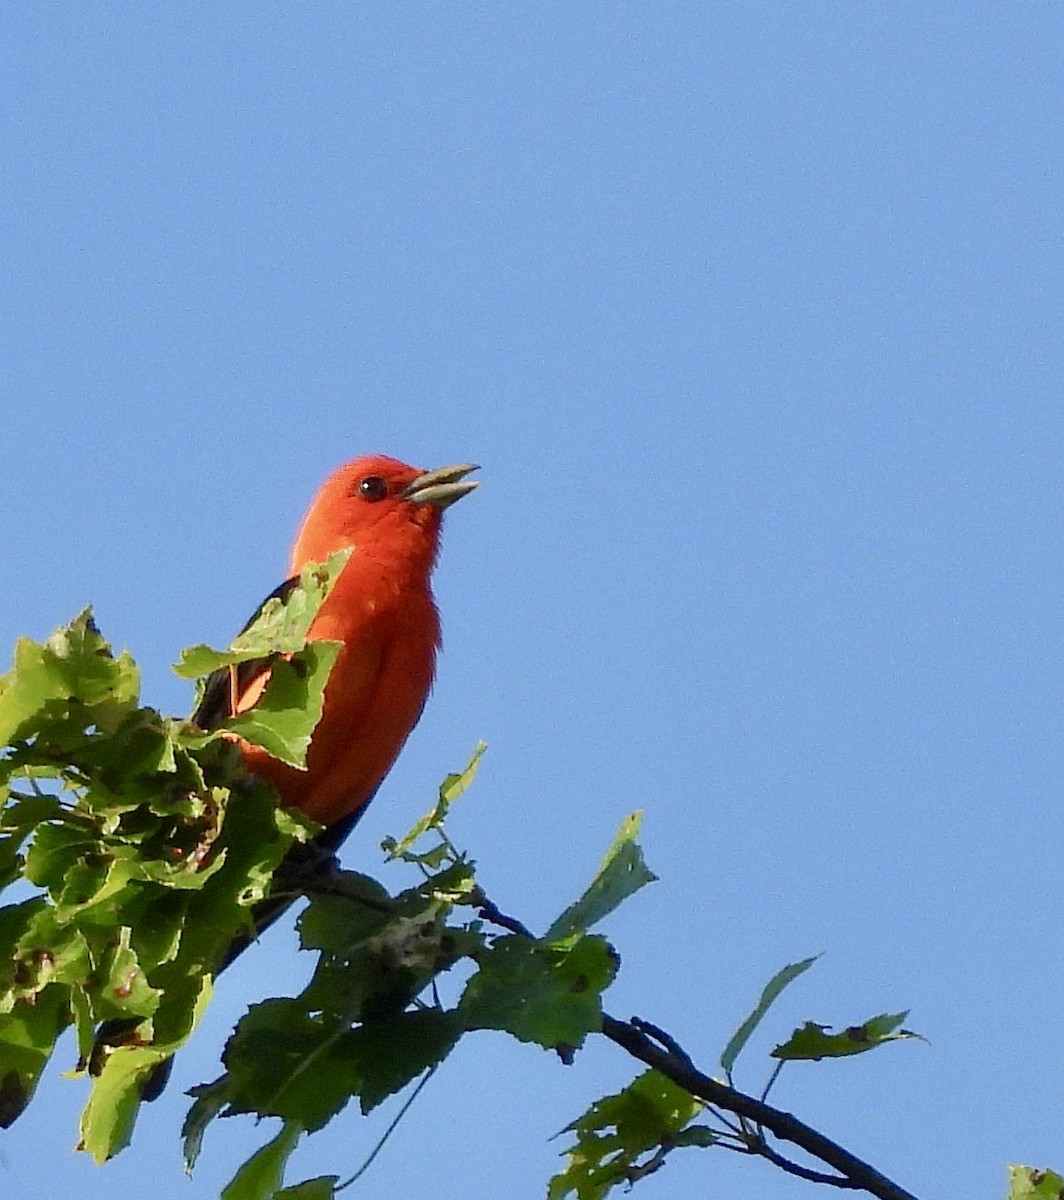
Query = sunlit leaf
x=280 y=627
x=452 y=787
x=285 y=715
x=108 y=1118
x=261 y=1176
x=626 y=1136
x=1032 y=1183
x=814 y=1042
x=548 y=994
x=621 y=873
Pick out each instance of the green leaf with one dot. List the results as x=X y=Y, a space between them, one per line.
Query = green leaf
x=379 y=968
x=108 y=1118
x=72 y=678
x=285 y=715
x=277 y=1059
x=280 y=627
x=772 y=989
x=621 y=873
x=208 y=1101
x=107 y=1121
x=452 y=787
x=547 y=994
x=337 y=924
x=20 y=817
x=124 y=986
x=48 y=951
x=393 y=1051
x=813 y=1042
x=642 y=1122
x=27 y=1038
x=263 y=1173
x=322 y=1187
x=1031 y=1183
x=56 y=849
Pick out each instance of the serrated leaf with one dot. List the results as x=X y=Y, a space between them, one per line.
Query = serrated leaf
x=1032 y=1183
x=547 y=994
x=263 y=1173
x=771 y=991
x=813 y=1042
x=285 y=715
x=279 y=628
x=617 y=1134
x=392 y=1052
x=274 y=1059
x=74 y=669
x=452 y=787
x=621 y=873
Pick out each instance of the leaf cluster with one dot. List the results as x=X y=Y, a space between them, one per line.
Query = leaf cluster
x=372 y=1018
x=135 y=848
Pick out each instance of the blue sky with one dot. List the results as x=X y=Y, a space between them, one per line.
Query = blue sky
x=751 y=313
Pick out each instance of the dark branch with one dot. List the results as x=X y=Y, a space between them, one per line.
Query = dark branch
x=666 y=1039
x=490 y=912
x=854 y=1172
x=658 y=1049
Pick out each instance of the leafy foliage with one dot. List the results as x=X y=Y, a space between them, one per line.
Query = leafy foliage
x=622 y=1138
x=1029 y=1183
x=140 y=849
x=814 y=1042
x=146 y=847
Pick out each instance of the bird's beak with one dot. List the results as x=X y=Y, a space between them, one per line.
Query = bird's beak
x=442 y=487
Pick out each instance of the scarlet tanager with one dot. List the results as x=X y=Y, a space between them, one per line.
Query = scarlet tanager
x=383 y=612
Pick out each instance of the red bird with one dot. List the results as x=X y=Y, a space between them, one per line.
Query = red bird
x=382 y=611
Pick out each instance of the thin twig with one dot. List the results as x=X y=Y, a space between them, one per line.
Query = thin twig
x=388 y=1132
x=763 y=1150
x=772 y=1079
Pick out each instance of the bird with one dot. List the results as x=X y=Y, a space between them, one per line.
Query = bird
x=383 y=612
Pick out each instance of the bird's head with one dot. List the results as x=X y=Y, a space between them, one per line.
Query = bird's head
x=390 y=511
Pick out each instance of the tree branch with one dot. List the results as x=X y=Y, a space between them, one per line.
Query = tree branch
x=854 y=1172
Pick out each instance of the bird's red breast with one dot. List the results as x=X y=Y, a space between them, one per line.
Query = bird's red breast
x=383 y=612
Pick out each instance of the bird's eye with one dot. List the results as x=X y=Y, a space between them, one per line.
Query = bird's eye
x=373 y=488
